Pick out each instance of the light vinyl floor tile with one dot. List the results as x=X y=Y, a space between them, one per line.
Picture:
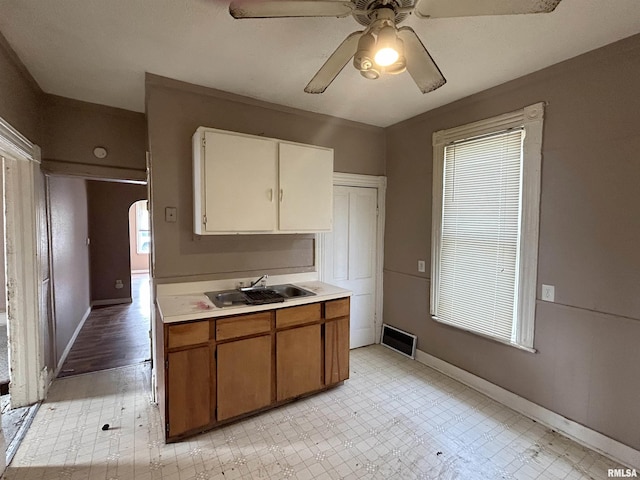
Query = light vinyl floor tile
x=393 y=419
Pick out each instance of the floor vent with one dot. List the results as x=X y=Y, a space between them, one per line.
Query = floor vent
x=401 y=342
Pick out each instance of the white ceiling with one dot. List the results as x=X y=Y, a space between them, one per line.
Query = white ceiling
x=98 y=51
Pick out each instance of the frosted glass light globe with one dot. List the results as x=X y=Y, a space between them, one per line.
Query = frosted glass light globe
x=386 y=56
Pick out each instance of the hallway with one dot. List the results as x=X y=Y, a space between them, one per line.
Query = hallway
x=113 y=336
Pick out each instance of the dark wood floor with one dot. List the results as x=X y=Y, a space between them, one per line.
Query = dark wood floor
x=113 y=336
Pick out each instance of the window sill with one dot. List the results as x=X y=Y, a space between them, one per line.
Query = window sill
x=488 y=337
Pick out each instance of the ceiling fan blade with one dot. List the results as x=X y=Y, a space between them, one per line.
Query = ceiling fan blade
x=470 y=8
x=334 y=64
x=290 y=8
x=420 y=65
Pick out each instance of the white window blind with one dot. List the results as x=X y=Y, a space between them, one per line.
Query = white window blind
x=480 y=233
x=485 y=224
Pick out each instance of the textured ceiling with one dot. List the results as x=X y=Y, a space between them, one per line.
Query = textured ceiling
x=98 y=51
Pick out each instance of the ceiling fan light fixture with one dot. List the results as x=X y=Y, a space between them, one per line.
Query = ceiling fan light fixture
x=399 y=67
x=387 y=47
x=363 y=59
x=371 y=74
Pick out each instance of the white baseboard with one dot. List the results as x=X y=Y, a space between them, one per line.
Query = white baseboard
x=134 y=272
x=585 y=436
x=71 y=342
x=111 y=301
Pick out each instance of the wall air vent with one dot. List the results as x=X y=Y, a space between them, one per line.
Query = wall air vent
x=401 y=342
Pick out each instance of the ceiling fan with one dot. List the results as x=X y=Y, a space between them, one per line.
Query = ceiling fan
x=382 y=47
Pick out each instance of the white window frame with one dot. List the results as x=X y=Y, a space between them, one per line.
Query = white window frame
x=531 y=118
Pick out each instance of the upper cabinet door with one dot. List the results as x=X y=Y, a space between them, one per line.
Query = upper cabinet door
x=306 y=188
x=240 y=174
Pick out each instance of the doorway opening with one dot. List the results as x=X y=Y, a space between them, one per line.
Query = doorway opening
x=16 y=413
x=115 y=330
x=139 y=237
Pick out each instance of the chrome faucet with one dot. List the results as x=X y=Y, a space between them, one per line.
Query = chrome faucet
x=262 y=281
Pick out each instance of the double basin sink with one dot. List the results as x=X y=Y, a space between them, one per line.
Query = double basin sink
x=257 y=296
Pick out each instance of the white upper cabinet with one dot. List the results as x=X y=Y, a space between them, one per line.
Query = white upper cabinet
x=306 y=193
x=249 y=184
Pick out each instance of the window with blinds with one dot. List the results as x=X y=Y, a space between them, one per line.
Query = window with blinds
x=486 y=194
x=480 y=232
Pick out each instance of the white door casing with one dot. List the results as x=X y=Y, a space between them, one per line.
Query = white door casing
x=351 y=256
x=21 y=161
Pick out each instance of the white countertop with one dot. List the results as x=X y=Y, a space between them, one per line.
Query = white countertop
x=195 y=306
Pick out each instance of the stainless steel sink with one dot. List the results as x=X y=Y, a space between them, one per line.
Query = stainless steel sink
x=256 y=296
x=291 y=291
x=227 y=298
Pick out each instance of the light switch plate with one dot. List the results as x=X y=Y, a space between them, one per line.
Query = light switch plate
x=548 y=293
x=422 y=266
x=170 y=214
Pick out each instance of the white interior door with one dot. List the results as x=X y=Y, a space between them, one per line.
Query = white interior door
x=350 y=256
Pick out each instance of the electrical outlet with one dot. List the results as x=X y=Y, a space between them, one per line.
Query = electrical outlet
x=170 y=214
x=548 y=293
x=119 y=284
x=422 y=267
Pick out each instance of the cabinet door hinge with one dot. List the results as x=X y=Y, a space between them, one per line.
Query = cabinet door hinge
x=166 y=364
x=204 y=219
x=204 y=142
x=167 y=428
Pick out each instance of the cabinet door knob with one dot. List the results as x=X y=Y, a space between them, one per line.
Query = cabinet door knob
x=271 y=194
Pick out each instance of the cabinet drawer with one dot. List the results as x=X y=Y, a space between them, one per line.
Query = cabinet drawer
x=186 y=334
x=243 y=326
x=288 y=317
x=336 y=308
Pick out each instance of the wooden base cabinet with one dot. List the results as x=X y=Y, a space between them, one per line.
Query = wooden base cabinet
x=190 y=403
x=244 y=376
x=336 y=341
x=299 y=361
x=185 y=376
x=215 y=371
x=336 y=351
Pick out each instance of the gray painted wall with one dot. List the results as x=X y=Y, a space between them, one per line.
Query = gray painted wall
x=587 y=363
x=69 y=233
x=174 y=111
x=20 y=95
x=74 y=128
x=108 y=211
